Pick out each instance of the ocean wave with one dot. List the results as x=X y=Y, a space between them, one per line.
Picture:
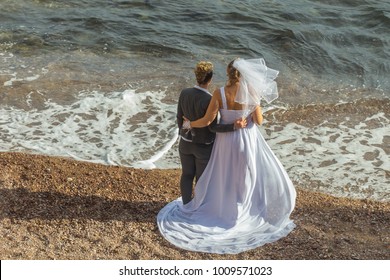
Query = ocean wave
x=120 y=128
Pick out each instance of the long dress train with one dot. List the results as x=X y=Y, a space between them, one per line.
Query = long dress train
x=243 y=199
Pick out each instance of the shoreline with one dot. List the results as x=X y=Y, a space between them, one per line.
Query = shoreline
x=60 y=208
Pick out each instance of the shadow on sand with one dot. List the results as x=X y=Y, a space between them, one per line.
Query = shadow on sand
x=25 y=205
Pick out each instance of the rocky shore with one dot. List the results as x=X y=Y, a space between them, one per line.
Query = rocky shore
x=58 y=208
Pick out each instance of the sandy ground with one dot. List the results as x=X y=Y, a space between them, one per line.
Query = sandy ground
x=57 y=208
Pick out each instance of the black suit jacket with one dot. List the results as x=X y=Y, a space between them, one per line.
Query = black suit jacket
x=193 y=103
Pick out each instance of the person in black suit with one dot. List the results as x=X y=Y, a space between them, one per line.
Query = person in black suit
x=196 y=144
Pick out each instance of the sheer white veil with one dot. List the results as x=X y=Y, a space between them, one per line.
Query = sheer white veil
x=256 y=82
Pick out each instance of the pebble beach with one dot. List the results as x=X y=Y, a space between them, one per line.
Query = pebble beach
x=54 y=208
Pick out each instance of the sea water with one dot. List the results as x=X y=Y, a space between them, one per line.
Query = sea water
x=99 y=81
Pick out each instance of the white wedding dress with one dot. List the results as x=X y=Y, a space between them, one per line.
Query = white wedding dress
x=243 y=199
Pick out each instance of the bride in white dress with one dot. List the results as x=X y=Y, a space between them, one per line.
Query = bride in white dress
x=244 y=198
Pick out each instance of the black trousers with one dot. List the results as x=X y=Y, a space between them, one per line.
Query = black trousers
x=194 y=158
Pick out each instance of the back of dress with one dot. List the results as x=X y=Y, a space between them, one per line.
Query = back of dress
x=229 y=116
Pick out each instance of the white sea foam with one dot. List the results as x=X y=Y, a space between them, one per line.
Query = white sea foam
x=346 y=161
x=119 y=128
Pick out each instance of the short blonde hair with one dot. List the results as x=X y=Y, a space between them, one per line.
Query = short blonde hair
x=203 y=72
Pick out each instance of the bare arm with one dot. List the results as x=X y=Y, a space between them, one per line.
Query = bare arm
x=211 y=113
x=257 y=115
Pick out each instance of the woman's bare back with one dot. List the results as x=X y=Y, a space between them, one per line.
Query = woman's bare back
x=230 y=93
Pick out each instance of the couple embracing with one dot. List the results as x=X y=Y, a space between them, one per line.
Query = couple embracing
x=243 y=196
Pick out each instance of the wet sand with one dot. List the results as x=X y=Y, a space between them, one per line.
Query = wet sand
x=58 y=208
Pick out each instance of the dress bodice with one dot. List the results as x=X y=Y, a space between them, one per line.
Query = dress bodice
x=229 y=116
